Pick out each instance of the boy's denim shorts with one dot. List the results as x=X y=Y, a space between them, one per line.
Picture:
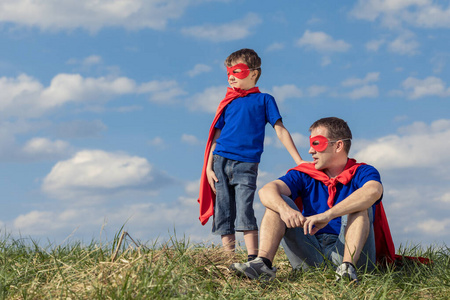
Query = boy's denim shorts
x=304 y=251
x=235 y=191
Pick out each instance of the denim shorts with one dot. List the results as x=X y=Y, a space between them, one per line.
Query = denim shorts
x=235 y=191
x=304 y=251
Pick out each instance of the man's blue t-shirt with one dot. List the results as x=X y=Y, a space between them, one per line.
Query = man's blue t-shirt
x=315 y=194
x=242 y=126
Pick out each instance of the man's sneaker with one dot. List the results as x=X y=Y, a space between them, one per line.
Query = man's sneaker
x=255 y=269
x=347 y=272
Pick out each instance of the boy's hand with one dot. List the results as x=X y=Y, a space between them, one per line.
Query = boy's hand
x=212 y=179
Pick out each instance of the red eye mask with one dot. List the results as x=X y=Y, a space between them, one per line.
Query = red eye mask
x=318 y=143
x=240 y=71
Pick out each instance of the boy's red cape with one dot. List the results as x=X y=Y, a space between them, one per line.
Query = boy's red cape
x=385 y=250
x=207 y=197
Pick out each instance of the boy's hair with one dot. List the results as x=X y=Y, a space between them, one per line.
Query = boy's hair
x=337 y=130
x=249 y=56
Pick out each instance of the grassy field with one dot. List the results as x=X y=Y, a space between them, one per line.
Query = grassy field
x=181 y=270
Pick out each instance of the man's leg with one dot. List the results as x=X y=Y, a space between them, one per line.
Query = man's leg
x=271 y=233
x=356 y=233
x=356 y=245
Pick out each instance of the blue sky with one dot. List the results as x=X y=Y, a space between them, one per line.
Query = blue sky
x=105 y=106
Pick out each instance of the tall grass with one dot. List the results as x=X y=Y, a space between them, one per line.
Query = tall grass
x=181 y=270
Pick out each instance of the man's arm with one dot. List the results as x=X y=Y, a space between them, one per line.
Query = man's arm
x=359 y=200
x=285 y=138
x=270 y=196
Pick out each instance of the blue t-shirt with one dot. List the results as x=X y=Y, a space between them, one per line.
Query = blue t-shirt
x=242 y=126
x=315 y=194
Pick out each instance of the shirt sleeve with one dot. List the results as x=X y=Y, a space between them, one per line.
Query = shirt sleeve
x=220 y=122
x=272 y=112
x=294 y=180
x=364 y=174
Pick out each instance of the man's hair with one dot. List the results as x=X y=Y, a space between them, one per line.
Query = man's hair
x=249 y=57
x=337 y=130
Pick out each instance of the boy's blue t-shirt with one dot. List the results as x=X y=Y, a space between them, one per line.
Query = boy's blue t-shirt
x=242 y=126
x=315 y=194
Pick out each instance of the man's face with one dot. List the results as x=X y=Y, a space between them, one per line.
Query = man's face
x=322 y=159
x=236 y=76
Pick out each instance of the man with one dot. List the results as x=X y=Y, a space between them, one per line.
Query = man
x=334 y=223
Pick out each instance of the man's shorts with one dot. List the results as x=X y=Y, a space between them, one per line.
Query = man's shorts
x=304 y=251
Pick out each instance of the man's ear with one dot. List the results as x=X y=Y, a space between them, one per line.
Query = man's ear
x=340 y=146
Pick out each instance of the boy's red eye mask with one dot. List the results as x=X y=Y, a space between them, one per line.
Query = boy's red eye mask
x=240 y=71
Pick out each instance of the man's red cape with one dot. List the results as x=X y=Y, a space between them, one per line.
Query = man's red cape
x=207 y=197
x=385 y=250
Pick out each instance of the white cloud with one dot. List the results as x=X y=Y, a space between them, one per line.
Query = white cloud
x=410 y=149
x=316 y=90
x=190 y=139
x=43 y=147
x=94 y=173
x=326 y=60
x=208 y=100
x=157 y=142
x=162 y=91
x=235 y=30
x=395 y=13
x=366 y=91
x=405 y=44
x=79 y=128
x=370 y=77
x=25 y=96
x=430 y=86
x=199 y=69
x=56 y=15
x=322 y=42
x=275 y=47
x=374 y=45
x=287 y=91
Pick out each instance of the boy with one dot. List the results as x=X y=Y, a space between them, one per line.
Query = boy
x=233 y=152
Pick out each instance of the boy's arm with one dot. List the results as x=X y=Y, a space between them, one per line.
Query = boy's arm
x=285 y=137
x=209 y=168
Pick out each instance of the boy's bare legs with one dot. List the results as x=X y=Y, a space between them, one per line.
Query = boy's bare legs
x=272 y=231
x=229 y=242
x=251 y=241
x=356 y=233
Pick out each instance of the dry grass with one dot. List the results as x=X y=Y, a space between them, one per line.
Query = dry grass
x=178 y=270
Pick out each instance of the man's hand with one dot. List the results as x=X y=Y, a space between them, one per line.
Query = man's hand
x=292 y=218
x=212 y=179
x=314 y=223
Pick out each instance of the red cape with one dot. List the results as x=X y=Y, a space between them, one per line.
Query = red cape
x=383 y=240
x=207 y=197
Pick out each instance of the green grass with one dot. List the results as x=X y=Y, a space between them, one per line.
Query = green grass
x=181 y=270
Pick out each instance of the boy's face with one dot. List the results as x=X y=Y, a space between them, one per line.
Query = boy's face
x=236 y=74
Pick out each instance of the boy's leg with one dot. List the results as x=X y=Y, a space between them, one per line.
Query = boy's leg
x=243 y=178
x=251 y=241
x=229 y=242
x=224 y=206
